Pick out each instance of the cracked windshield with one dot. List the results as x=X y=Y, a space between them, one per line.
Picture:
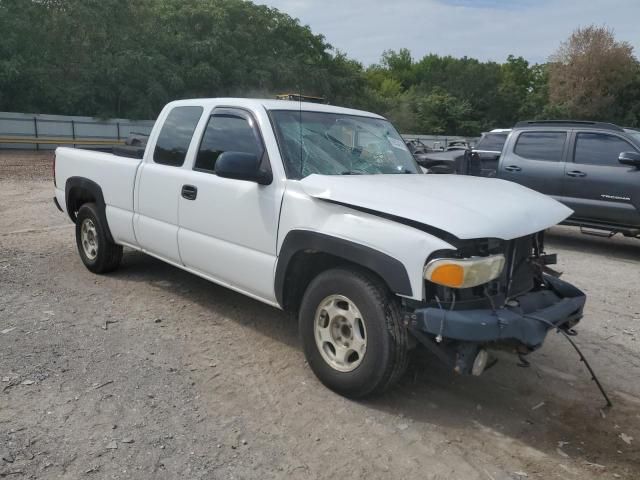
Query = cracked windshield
x=336 y=144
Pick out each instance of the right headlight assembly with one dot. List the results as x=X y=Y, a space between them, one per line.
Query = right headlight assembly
x=464 y=272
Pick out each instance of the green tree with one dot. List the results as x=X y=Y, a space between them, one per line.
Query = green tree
x=515 y=88
x=123 y=58
x=439 y=112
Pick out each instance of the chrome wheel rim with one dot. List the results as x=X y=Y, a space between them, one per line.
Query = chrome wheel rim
x=89 y=238
x=340 y=332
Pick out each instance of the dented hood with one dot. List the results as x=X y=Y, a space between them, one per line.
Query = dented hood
x=464 y=206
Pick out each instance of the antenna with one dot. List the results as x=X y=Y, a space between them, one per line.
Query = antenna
x=300 y=122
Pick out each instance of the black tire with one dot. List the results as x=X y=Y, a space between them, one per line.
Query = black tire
x=108 y=254
x=386 y=356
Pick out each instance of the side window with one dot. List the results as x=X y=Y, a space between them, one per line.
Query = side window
x=492 y=142
x=600 y=149
x=175 y=136
x=545 y=146
x=226 y=133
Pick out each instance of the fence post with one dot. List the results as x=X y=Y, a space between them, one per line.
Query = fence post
x=73 y=132
x=118 y=128
x=35 y=129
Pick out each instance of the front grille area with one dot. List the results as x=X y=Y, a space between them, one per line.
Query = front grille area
x=522 y=273
x=520 y=269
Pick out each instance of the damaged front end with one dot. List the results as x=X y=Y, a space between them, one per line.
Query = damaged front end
x=514 y=310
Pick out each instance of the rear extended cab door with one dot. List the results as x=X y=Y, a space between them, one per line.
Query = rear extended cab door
x=535 y=158
x=596 y=185
x=160 y=180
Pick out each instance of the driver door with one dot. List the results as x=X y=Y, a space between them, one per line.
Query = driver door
x=228 y=228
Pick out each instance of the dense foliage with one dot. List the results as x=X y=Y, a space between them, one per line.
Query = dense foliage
x=118 y=58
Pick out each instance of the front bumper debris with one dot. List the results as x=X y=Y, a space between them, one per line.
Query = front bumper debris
x=526 y=320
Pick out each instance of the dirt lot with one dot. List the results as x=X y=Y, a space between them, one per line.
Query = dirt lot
x=151 y=372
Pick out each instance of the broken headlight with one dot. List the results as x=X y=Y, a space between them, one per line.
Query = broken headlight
x=464 y=272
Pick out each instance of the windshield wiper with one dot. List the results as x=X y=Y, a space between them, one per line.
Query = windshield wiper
x=350 y=172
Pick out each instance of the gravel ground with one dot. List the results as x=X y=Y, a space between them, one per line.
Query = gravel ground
x=152 y=373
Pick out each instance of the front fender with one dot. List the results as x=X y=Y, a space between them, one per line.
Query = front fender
x=392 y=271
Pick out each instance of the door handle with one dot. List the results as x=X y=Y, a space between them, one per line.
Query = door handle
x=513 y=168
x=576 y=173
x=189 y=192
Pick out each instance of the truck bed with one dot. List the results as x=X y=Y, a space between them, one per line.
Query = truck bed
x=114 y=174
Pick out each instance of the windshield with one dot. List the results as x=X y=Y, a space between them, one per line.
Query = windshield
x=337 y=144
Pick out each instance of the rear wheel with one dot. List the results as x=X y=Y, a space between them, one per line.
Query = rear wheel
x=351 y=332
x=96 y=251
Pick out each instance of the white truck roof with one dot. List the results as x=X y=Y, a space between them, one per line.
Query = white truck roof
x=257 y=103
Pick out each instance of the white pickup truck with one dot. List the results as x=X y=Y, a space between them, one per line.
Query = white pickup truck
x=322 y=211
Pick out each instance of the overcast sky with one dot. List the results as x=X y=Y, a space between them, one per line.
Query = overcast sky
x=484 y=29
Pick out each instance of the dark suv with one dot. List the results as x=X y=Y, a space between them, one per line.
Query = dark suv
x=592 y=167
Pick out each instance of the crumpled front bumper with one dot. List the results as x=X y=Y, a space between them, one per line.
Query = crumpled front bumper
x=560 y=305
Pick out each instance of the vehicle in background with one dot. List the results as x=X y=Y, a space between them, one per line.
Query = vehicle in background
x=134 y=145
x=591 y=167
x=457 y=145
x=456 y=159
x=323 y=212
x=488 y=150
x=459 y=162
x=420 y=151
x=439 y=160
x=137 y=139
x=416 y=146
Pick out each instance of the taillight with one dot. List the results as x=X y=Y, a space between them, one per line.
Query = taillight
x=54 y=170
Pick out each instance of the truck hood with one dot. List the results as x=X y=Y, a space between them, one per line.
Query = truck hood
x=466 y=207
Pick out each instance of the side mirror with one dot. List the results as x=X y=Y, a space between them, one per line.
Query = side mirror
x=630 y=158
x=242 y=166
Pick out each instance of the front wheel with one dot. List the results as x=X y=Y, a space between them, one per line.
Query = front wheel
x=351 y=332
x=96 y=251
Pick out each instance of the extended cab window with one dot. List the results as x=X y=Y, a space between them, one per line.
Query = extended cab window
x=546 y=146
x=226 y=133
x=175 y=136
x=600 y=149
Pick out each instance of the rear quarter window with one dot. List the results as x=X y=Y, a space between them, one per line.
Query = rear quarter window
x=545 y=146
x=175 y=136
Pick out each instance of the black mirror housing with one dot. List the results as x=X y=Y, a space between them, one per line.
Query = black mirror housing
x=242 y=166
x=630 y=158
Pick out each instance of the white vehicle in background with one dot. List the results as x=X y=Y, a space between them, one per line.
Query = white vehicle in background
x=322 y=211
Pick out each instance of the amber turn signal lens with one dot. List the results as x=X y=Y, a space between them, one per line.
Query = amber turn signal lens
x=450 y=275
